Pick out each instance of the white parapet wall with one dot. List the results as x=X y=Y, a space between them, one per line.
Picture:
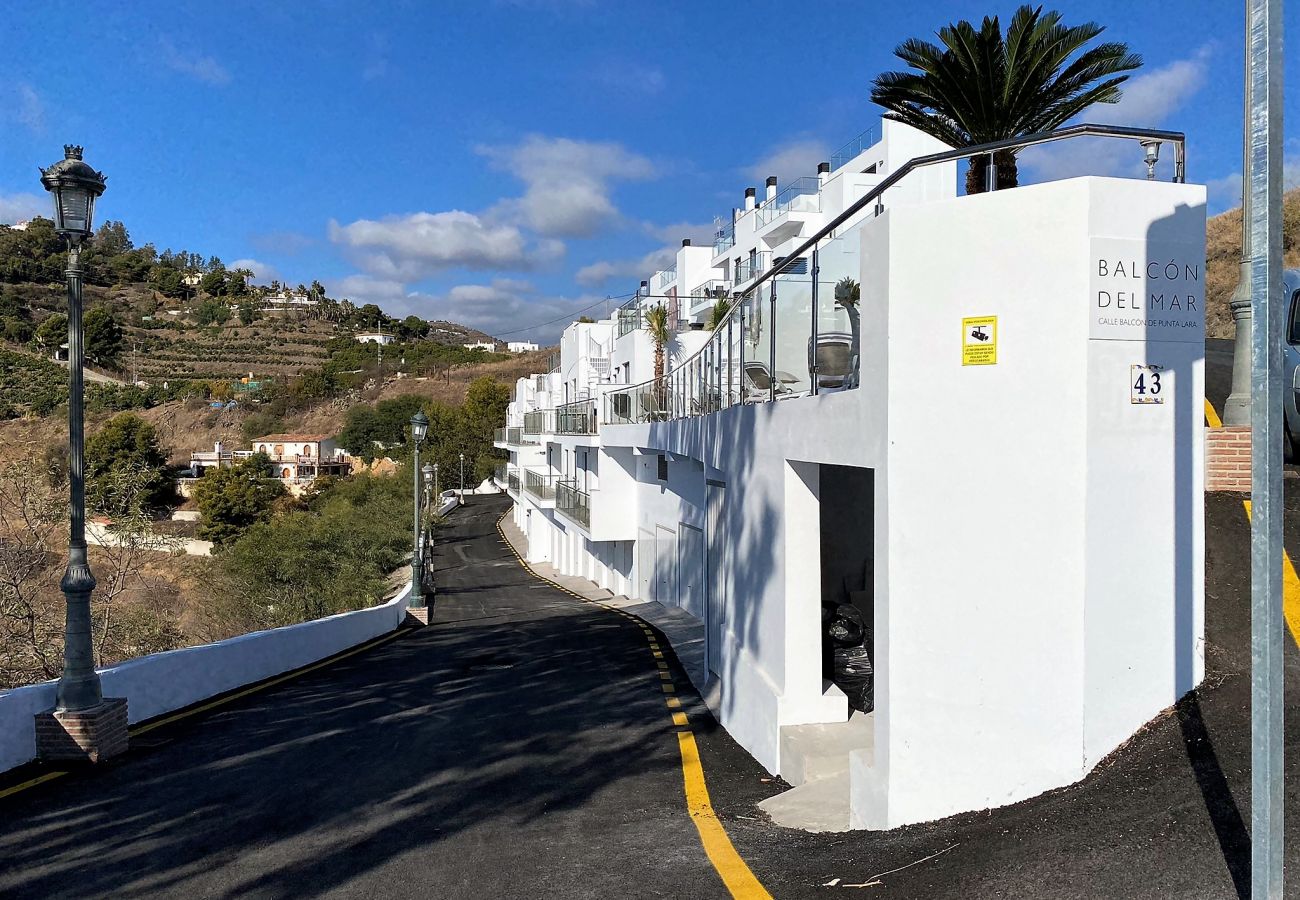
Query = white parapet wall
x=164 y=682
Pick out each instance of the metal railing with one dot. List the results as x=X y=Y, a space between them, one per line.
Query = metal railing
x=843 y=156
x=578 y=417
x=803 y=195
x=666 y=277
x=499 y=474
x=539 y=484
x=512 y=481
x=553 y=362
x=744 y=361
x=724 y=239
x=749 y=269
x=539 y=421
x=572 y=502
x=630 y=318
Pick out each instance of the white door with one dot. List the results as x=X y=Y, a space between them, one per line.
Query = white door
x=690 y=569
x=716 y=584
x=664 y=588
x=645 y=564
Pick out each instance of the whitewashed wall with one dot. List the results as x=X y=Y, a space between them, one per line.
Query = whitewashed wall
x=164 y=682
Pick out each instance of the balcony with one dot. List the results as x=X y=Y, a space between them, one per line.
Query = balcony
x=703 y=297
x=539 y=484
x=499 y=475
x=724 y=239
x=573 y=503
x=749 y=269
x=846 y=154
x=630 y=318
x=540 y=421
x=666 y=277
x=512 y=481
x=775 y=217
x=578 y=417
x=511 y=437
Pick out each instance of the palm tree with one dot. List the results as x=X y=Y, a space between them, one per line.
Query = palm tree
x=847 y=295
x=656 y=324
x=721 y=307
x=981 y=87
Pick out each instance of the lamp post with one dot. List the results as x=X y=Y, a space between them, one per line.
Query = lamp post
x=419 y=428
x=437 y=492
x=462 y=478
x=75 y=186
x=426 y=536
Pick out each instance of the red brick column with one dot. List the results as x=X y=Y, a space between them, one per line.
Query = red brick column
x=89 y=735
x=1227 y=458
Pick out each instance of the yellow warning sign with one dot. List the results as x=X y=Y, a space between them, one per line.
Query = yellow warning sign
x=979 y=341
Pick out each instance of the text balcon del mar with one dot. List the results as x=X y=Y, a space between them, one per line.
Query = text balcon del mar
x=1140 y=296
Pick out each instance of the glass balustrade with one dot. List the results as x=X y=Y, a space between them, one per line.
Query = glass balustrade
x=749 y=269
x=539 y=484
x=802 y=195
x=539 y=421
x=843 y=156
x=578 y=417
x=572 y=502
x=512 y=481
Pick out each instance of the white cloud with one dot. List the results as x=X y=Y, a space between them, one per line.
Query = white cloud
x=1149 y=99
x=195 y=65
x=415 y=246
x=16 y=208
x=790 y=160
x=567 y=183
x=31 y=111
x=598 y=273
x=366 y=289
x=699 y=233
x=503 y=310
x=263 y=273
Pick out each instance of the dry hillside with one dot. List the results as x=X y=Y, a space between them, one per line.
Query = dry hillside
x=1223 y=258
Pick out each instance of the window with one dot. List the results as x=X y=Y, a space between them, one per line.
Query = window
x=663 y=468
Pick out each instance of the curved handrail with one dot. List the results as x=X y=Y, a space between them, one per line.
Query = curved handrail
x=1177 y=138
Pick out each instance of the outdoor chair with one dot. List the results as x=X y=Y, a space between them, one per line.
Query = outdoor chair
x=759 y=382
x=836 y=361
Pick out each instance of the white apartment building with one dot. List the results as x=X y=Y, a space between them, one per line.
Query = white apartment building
x=929 y=422
x=489 y=346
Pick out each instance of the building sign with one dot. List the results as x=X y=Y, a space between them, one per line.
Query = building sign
x=1146 y=385
x=979 y=341
x=1146 y=290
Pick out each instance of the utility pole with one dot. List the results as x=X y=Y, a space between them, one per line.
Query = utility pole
x=1263 y=187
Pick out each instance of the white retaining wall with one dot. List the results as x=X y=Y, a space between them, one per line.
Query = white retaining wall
x=164 y=682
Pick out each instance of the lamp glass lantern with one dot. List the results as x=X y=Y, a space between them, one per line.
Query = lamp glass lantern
x=1152 y=157
x=74 y=186
x=419 y=426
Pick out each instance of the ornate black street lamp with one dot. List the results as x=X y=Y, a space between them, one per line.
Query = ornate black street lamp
x=462 y=478
x=419 y=428
x=75 y=186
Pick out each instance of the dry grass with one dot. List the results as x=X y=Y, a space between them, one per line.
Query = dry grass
x=1223 y=259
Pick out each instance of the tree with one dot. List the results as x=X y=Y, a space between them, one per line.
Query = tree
x=248 y=312
x=414 y=326
x=211 y=312
x=102 y=335
x=52 y=332
x=981 y=87
x=214 y=283
x=233 y=500
x=126 y=443
x=721 y=307
x=656 y=323
x=112 y=239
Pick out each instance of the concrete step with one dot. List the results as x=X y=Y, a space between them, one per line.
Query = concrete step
x=818 y=806
x=813 y=752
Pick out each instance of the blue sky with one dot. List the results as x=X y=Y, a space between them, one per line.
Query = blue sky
x=505 y=163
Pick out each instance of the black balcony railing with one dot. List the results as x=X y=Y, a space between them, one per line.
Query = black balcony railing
x=572 y=502
x=512 y=481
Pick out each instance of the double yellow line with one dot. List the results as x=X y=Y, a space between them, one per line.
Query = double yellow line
x=731 y=868
x=1290 y=581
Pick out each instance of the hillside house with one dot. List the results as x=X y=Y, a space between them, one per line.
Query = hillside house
x=296 y=459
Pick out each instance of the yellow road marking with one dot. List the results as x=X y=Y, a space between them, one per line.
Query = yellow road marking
x=729 y=865
x=41 y=779
x=1290 y=589
x=1211 y=416
x=736 y=875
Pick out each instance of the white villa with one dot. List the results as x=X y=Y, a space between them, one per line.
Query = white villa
x=489 y=346
x=287 y=300
x=375 y=337
x=521 y=346
x=296 y=459
x=922 y=420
